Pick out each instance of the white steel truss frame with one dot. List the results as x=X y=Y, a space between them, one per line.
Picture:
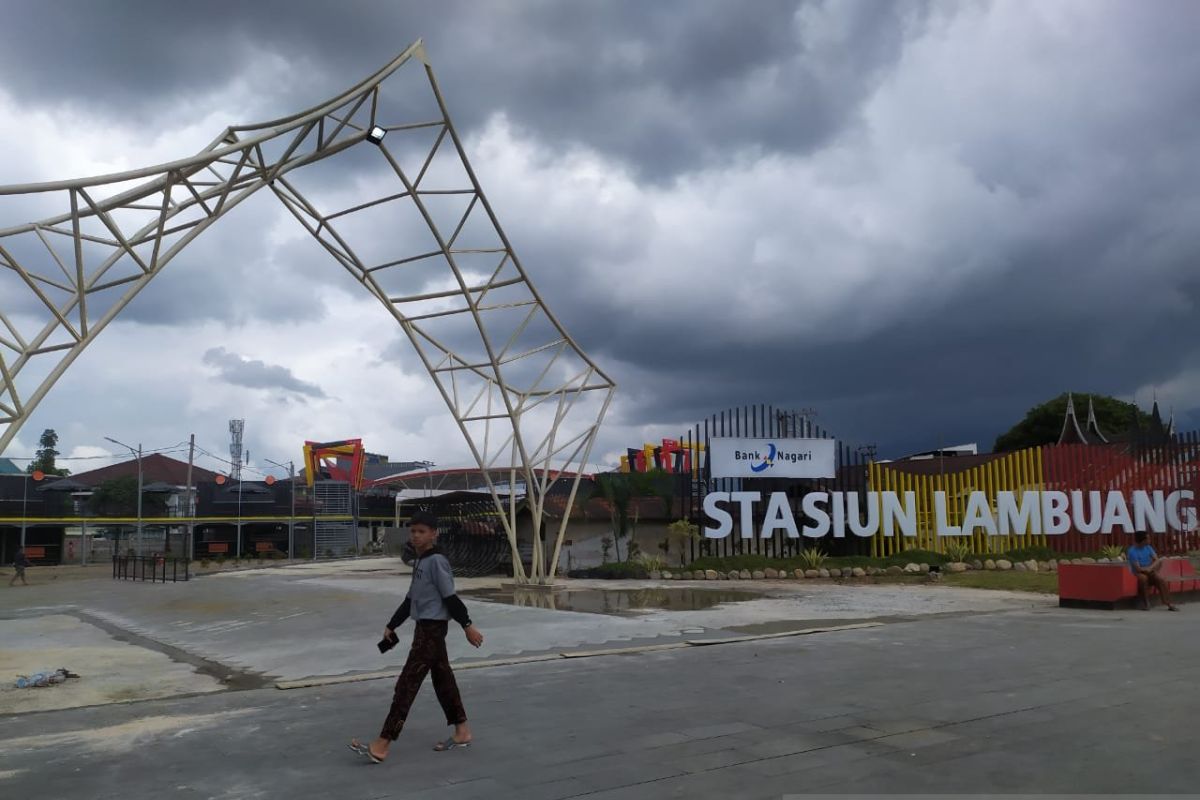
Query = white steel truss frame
x=516 y=400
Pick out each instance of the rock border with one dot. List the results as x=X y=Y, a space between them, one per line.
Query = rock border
x=851 y=573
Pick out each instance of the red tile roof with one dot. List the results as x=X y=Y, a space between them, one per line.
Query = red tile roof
x=155 y=467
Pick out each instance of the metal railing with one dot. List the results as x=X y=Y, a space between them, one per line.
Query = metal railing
x=151 y=568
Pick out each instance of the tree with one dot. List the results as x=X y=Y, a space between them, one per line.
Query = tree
x=46 y=454
x=1043 y=423
x=617 y=489
x=117 y=497
x=657 y=483
x=681 y=532
x=620 y=489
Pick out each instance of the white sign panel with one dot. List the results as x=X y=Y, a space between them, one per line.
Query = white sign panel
x=772 y=458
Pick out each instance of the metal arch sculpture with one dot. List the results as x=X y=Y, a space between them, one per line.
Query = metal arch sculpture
x=522 y=392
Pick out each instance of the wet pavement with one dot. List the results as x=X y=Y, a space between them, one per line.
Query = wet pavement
x=619 y=602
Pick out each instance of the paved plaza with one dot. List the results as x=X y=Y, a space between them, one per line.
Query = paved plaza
x=952 y=691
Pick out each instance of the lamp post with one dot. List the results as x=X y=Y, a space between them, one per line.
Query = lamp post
x=291 y=468
x=138 y=454
x=428 y=479
x=80 y=499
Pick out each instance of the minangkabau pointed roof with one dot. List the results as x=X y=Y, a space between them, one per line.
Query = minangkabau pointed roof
x=1071 y=433
x=1156 y=423
x=1093 y=427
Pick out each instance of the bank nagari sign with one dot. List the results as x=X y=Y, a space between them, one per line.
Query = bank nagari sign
x=732 y=457
x=895 y=513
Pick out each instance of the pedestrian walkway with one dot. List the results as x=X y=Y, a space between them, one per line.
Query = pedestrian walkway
x=1018 y=701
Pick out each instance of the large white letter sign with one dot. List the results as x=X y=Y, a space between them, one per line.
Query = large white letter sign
x=1116 y=514
x=978 y=515
x=1095 y=514
x=1150 y=511
x=854 y=518
x=712 y=508
x=1181 y=510
x=1018 y=519
x=820 y=517
x=904 y=514
x=944 y=528
x=779 y=515
x=1056 y=516
x=746 y=500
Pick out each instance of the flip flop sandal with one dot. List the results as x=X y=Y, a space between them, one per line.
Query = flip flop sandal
x=449 y=744
x=364 y=750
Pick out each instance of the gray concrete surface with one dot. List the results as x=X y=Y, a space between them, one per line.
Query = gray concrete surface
x=115 y=670
x=324 y=619
x=1025 y=701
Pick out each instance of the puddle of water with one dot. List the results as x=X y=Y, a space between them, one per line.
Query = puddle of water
x=621 y=602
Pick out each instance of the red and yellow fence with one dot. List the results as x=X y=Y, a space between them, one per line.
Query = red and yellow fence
x=1168 y=465
x=1021 y=471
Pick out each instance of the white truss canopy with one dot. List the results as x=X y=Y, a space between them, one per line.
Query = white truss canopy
x=420 y=236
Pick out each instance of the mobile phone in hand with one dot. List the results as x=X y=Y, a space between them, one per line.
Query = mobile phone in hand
x=386 y=644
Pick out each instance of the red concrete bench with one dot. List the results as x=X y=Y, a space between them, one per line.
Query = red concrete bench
x=1114 y=585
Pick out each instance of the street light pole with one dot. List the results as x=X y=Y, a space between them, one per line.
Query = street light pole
x=137 y=453
x=246 y=460
x=80 y=499
x=291 y=468
x=428 y=478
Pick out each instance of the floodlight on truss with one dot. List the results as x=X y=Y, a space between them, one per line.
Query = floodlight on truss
x=524 y=395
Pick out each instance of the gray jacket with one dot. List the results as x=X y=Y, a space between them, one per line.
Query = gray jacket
x=431 y=594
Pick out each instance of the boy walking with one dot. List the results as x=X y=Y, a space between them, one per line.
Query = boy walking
x=431 y=602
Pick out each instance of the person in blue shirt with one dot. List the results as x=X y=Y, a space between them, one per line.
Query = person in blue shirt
x=431 y=602
x=1145 y=564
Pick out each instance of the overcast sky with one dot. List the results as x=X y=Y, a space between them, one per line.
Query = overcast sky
x=919 y=219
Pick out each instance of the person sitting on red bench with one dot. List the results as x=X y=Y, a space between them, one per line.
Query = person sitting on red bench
x=1145 y=564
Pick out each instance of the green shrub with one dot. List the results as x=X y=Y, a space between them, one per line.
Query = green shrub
x=957 y=549
x=753 y=562
x=813 y=557
x=1031 y=554
x=652 y=563
x=750 y=562
x=1113 y=552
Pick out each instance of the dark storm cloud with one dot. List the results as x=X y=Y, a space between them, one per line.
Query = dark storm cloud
x=984 y=204
x=664 y=86
x=947 y=374
x=255 y=374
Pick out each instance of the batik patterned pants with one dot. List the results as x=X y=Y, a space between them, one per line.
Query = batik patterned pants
x=428 y=654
